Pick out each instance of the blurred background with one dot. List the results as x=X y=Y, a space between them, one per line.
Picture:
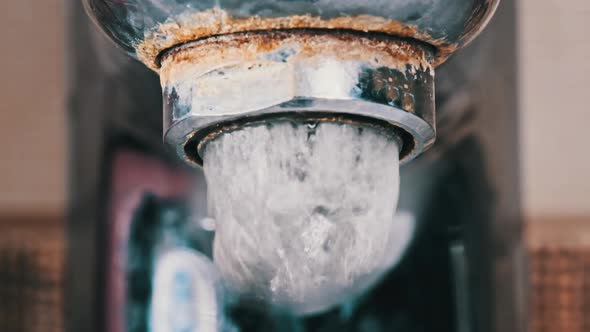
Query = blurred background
x=553 y=70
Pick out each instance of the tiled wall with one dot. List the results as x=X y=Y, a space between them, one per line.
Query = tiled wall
x=560 y=289
x=31 y=277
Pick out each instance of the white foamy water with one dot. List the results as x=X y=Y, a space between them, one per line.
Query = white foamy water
x=304 y=214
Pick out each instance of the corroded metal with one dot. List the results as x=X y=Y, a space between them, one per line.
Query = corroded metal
x=227 y=62
x=222 y=82
x=145 y=28
x=217 y=22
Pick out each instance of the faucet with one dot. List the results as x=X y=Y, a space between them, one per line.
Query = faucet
x=368 y=62
x=226 y=66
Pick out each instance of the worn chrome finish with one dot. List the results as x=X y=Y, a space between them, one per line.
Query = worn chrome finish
x=145 y=28
x=203 y=51
x=219 y=83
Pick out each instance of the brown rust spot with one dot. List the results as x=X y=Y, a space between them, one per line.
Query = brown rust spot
x=379 y=51
x=214 y=22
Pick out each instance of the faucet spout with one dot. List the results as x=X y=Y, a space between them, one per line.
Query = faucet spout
x=221 y=83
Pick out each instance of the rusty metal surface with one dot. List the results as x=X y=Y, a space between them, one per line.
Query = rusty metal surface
x=145 y=28
x=377 y=50
x=236 y=79
x=216 y=22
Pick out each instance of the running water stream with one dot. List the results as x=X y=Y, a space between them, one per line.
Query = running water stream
x=304 y=213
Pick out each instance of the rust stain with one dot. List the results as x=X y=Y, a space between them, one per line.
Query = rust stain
x=379 y=51
x=215 y=22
